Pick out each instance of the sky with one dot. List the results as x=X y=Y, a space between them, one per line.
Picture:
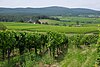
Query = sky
x=91 y=4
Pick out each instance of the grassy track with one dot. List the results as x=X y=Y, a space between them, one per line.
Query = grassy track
x=80 y=58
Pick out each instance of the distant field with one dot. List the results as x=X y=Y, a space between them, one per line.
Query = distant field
x=72 y=21
x=54 y=22
x=80 y=19
x=46 y=28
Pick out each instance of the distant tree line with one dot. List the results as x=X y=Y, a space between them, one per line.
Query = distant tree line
x=23 y=18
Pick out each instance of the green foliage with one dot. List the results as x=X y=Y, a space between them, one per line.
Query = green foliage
x=25 y=41
x=83 y=39
x=2 y=27
x=98 y=52
x=35 y=45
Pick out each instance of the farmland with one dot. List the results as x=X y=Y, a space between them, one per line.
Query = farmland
x=47 y=28
x=42 y=45
x=19 y=45
x=48 y=33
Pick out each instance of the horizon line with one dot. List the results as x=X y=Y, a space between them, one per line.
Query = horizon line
x=50 y=6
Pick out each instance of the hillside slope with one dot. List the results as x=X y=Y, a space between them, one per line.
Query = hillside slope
x=54 y=10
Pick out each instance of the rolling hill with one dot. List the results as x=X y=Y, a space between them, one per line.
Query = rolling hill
x=53 y=10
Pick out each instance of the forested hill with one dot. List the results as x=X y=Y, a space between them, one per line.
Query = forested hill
x=54 y=10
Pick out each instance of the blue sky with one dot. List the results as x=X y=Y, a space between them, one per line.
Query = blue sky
x=92 y=4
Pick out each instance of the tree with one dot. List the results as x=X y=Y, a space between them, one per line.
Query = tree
x=77 y=22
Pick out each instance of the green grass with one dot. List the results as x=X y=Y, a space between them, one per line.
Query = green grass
x=46 y=28
x=80 y=57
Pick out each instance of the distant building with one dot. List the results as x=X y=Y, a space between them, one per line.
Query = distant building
x=78 y=25
x=43 y=22
x=37 y=22
x=34 y=21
